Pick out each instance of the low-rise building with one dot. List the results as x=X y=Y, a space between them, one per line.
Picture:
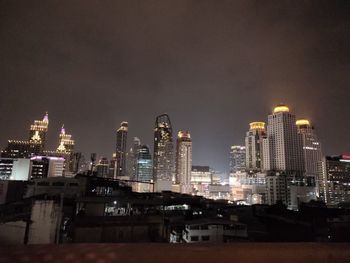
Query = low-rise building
x=213 y=230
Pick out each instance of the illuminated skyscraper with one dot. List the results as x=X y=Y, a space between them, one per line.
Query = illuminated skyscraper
x=65 y=144
x=311 y=147
x=144 y=166
x=335 y=177
x=163 y=156
x=66 y=149
x=237 y=159
x=254 y=146
x=21 y=149
x=38 y=132
x=184 y=161
x=122 y=135
x=285 y=143
x=34 y=146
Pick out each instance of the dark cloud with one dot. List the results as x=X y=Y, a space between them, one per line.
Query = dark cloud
x=214 y=66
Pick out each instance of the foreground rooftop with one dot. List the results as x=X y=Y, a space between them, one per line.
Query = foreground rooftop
x=155 y=252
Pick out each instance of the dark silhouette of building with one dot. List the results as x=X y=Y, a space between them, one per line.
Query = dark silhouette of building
x=122 y=135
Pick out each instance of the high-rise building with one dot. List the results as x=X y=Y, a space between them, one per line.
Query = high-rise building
x=184 y=161
x=132 y=158
x=285 y=143
x=66 y=149
x=65 y=144
x=77 y=162
x=38 y=132
x=14 y=169
x=311 y=147
x=266 y=166
x=144 y=165
x=277 y=188
x=102 y=168
x=47 y=166
x=21 y=149
x=254 y=141
x=335 y=175
x=201 y=178
x=122 y=135
x=237 y=158
x=34 y=146
x=163 y=156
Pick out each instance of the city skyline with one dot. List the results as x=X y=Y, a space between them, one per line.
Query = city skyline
x=225 y=168
x=213 y=67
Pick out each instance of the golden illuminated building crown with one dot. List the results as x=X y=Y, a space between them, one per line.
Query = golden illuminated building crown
x=183 y=134
x=302 y=122
x=257 y=125
x=281 y=108
x=41 y=125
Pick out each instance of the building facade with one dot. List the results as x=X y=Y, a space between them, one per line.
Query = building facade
x=237 y=158
x=163 y=156
x=66 y=149
x=38 y=132
x=102 y=168
x=144 y=164
x=335 y=183
x=311 y=146
x=122 y=136
x=47 y=166
x=254 y=146
x=21 y=149
x=184 y=161
x=132 y=159
x=17 y=169
x=285 y=144
x=34 y=146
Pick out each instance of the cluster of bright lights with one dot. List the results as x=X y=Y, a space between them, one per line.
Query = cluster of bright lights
x=40 y=125
x=184 y=134
x=302 y=122
x=47 y=157
x=280 y=108
x=22 y=142
x=257 y=125
x=65 y=140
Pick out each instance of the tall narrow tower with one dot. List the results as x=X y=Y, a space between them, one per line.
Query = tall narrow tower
x=122 y=135
x=65 y=144
x=163 y=155
x=184 y=161
x=66 y=149
x=285 y=143
x=254 y=146
x=131 y=162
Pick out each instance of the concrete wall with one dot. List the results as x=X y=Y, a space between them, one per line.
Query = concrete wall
x=117 y=234
x=44 y=218
x=12 y=233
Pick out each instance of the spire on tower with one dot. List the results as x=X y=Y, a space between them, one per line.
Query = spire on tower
x=63 y=130
x=46 y=117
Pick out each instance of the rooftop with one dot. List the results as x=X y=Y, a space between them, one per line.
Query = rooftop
x=156 y=252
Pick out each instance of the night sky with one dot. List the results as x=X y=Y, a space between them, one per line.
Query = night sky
x=213 y=66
